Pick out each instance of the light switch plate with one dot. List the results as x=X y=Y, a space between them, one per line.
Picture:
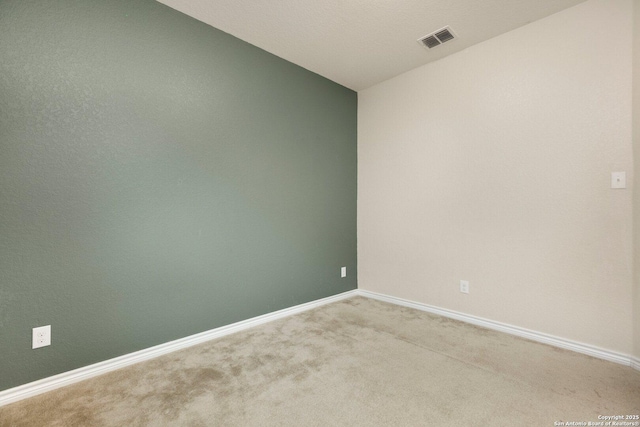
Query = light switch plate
x=618 y=180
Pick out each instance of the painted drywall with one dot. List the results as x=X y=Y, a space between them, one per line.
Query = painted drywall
x=159 y=178
x=636 y=166
x=493 y=166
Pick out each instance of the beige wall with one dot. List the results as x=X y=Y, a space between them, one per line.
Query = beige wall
x=636 y=161
x=493 y=165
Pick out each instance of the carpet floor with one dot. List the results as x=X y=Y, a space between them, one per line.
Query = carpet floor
x=357 y=362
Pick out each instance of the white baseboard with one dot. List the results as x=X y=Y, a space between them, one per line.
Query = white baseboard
x=66 y=378
x=578 y=347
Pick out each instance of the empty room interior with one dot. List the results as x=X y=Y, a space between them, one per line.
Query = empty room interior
x=251 y=213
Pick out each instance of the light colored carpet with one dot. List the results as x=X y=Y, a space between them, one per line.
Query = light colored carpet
x=358 y=362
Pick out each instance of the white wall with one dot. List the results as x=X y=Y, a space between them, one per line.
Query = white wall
x=493 y=165
x=636 y=161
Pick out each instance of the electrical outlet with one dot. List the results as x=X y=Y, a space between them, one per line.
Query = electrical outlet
x=41 y=336
x=464 y=286
x=343 y=272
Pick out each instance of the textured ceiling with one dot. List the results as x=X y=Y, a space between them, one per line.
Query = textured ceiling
x=359 y=43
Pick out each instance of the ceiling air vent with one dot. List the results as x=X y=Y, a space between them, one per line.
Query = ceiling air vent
x=436 y=38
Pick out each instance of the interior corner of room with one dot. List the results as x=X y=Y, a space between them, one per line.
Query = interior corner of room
x=161 y=178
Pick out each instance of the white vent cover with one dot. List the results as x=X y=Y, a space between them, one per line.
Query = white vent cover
x=436 y=38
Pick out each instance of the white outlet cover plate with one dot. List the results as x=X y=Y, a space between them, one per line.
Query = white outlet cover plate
x=464 y=286
x=41 y=336
x=343 y=272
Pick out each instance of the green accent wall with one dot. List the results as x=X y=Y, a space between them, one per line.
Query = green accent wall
x=159 y=178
